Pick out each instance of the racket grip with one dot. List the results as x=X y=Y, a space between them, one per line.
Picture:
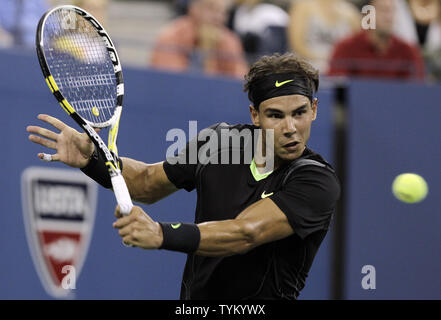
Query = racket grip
x=122 y=194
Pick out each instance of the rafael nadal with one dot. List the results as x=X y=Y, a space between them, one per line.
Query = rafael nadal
x=257 y=228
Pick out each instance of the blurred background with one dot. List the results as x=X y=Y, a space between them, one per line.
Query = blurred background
x=379 y=114
x=225 y=37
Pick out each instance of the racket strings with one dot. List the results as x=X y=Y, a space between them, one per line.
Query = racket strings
x=80 y=64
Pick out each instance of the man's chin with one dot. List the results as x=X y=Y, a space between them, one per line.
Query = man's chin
x=289 y=156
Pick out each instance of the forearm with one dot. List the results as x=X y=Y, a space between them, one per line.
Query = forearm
x=147 y=183
x=224 y=238
x=260 y=223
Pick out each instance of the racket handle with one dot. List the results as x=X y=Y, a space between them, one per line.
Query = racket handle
x=122 y=194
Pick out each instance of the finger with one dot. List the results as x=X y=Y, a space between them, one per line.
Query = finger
x=118 y=213
x=44 y=142
x=42 y=132
x=53 y=121
x=49 y=157
x=127 y=230
x=45 y=157
x=127 y=241
x=122 y=222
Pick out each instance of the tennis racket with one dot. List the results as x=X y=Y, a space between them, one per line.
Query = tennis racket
x=83 y=71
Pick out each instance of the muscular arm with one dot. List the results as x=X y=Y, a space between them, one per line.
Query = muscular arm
x=260 y=223
x=147 y=183
x=307 y=203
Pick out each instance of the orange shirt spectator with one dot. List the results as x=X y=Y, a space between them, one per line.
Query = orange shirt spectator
x=200 y=41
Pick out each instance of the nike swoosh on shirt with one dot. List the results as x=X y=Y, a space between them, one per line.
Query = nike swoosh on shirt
x=263 y=195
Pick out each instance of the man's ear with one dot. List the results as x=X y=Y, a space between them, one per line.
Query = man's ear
x=254 y=116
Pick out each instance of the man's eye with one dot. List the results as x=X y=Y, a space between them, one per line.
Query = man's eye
x=275 y=116
x=299 y=113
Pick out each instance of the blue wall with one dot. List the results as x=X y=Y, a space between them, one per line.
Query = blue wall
x=155 y=102
x=393 y=128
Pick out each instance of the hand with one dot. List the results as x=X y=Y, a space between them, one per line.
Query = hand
x=138 y=229
x=73 y=148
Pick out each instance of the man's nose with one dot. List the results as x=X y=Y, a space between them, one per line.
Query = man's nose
x=289 y=126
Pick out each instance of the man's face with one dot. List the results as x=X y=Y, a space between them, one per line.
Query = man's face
x=290 y=117
x=385 y=15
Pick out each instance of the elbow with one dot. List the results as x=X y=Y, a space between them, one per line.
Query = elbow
x=145 y=201
x=142 y=196
x=151 y=200
x=146 y=197
x=250 y=237
x=146 y=191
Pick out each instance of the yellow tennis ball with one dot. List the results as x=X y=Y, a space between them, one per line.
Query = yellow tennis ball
x=410 y=187
x=95 y=111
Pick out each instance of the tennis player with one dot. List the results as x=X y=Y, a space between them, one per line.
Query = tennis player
x=256 y=230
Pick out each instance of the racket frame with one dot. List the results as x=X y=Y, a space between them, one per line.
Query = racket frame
x=110 y=153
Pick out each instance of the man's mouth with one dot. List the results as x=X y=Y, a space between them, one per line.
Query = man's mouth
x=291 y=144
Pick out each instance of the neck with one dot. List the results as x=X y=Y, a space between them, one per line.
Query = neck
x=380 y=39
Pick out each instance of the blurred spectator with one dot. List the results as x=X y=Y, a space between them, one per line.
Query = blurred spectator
x=433 y=63
x=284 y=4
x=5 y=39
x=432 y=57
x=359 y=3
x=418 y=23
x=316 y=25
x=261 y=27
x=20 y=18
x=200 y=41
x=377 y=52
x=97 y=8
x=181 y=6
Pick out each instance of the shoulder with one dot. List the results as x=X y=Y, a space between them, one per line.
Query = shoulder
x=310 y=154
x=309 y=196
x=347 y=45
x=355 y=38
x=224 y=126
x=182 y=26
x=404 y=46
x=230 y=39
x=223 y=131
x=311 y=168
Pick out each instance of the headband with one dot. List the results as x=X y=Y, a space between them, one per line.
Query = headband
x=281 y=84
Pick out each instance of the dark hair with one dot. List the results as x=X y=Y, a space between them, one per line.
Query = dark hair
x=281 y=63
